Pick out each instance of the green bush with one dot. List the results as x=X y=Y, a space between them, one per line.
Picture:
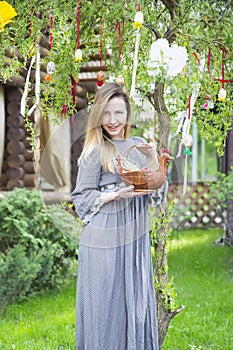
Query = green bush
x=38 y=243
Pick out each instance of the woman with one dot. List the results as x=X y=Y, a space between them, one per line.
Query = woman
x=116 y=307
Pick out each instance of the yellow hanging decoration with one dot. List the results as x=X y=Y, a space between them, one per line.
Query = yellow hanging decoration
x=7 y=12
x=138 y=19
x=78 y=55
x=222 y=95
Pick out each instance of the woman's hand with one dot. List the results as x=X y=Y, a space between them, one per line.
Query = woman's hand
x=128 y=192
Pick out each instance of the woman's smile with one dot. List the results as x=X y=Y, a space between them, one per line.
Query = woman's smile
x=115 y=118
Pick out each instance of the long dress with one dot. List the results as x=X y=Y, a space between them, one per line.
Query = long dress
x=116 y=306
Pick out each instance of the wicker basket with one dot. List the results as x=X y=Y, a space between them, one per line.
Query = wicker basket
x=144 y=179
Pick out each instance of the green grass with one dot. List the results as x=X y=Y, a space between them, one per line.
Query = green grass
x=203 y=278
x=46 y=322
x=203 y=275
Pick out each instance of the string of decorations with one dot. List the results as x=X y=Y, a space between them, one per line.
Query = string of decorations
x=50 y=65
x=138 y=21
x=78 y=52
x=100 y=75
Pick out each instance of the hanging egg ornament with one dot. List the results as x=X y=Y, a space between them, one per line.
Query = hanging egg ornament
x=188 y=141
x=120 y=80
x=78 y=55
x=50 y=67
x=138 y=20
x=222 y=95
x=48 y=78
x=100 y=78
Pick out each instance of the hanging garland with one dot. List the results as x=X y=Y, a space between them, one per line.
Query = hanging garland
x=118 y=27
x=50 y=65
x=78 y=52
x=100 y=75
x=138 y=21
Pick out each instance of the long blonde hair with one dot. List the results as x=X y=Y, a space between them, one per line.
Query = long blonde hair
x=95 y=134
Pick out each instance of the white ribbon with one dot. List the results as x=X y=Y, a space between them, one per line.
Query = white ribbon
x=37 y=83
x=135 y=62
x=25 y=93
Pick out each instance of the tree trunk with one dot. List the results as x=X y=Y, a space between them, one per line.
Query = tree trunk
x=226 y=167
x=229 y=167
x=164 y=119
x=165 y=310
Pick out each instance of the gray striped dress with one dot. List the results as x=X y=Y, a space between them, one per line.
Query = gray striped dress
x=116 y=307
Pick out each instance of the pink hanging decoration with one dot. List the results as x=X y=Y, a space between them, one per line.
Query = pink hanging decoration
x=78 y=52
x=51 y=28
x=100 y=75
x=64 y=109
x=118 y=27
x=209 y=57
x=196 y=56
x=30 y=6
x=73 y=92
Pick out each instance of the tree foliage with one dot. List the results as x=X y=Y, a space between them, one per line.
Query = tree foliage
x=199 y=25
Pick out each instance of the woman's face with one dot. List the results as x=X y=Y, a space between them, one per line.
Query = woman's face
x=115 y=118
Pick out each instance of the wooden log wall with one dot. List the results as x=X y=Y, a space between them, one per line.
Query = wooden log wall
x=18 y=168
x=18 y=158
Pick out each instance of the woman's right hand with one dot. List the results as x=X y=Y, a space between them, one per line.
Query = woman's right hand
x=128 y=192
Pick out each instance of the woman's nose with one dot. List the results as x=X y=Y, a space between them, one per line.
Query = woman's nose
x=112 y=118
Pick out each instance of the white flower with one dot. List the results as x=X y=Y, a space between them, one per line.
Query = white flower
x=167 y=59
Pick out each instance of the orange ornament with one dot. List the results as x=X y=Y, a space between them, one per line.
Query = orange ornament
x=48 y=78
x=100 y=76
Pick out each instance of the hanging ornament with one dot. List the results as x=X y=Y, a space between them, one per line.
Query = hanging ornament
x=138 y=19
x=120 y=80
x=197 y=58
x=100 y=78
x=118 y=27
x=209 y=58
x=64 y=109
x=50 y=65
x=222 y=92
x=188 y=142
x=209 y=103
x=73 y=92
x=78 y=53
x=222 y=95
x=100 y=74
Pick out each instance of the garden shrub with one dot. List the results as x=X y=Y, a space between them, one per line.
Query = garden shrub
x=38 y=244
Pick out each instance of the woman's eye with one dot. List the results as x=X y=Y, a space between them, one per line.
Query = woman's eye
x=118 y=112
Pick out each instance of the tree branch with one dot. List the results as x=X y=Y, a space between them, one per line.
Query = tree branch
x=171 y=5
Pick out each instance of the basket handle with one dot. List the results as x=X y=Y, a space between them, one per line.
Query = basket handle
x=126 y=152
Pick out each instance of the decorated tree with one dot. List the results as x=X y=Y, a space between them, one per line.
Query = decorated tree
x=175 y=54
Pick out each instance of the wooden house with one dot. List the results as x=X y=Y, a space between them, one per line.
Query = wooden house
x=54 y=169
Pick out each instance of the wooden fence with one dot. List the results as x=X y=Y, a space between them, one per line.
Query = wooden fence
x=193 y=209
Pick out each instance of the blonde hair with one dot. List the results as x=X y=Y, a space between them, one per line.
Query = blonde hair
x=95 y=134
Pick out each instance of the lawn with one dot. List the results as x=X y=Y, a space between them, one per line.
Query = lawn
x=203 y=275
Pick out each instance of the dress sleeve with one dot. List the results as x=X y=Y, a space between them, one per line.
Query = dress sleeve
x=86 y=195
x=158 y=197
